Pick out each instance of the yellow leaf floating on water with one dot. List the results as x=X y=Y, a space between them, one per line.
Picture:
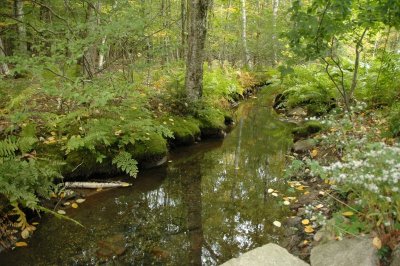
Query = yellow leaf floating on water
x=74 y=205
x=61 y=212
x=377 y=242
x=348 y=213
x=305 y=221
x=21 y=244
x=308 y=229
x=80 y=200
x=277 y=223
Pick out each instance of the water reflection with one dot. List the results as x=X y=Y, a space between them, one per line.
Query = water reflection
x=209 y=205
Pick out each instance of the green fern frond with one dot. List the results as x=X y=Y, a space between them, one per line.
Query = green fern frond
x=8 y=147
x=125 y=162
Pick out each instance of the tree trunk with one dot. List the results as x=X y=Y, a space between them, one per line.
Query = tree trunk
x=195 y=57
x=275 y=9
x=246 y=56
x=183 y=28
x=3 y=66
x=19 y=15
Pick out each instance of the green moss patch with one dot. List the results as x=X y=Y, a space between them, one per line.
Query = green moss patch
x=306 y=129
x=153 y=147
x=185 y=129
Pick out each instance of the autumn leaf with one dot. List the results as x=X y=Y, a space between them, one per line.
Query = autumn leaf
x=305 y=221
x=308 y=229
x=80 y=200
x=377 y=243
x=61 y=212
x=21 y=244
x=314 y=153
x=277 y=223
x=25 y=233
x=74 y=205
x=286 y=202
x=348 y=213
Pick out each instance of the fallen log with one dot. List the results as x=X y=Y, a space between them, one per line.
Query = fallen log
x=96 y=184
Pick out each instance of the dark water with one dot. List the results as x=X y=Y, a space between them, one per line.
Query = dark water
x=206 y=206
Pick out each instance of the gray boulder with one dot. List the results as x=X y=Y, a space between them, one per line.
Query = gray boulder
x=352 y=252
x=267 y=255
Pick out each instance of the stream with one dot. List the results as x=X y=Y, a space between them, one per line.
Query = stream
x=208 y=204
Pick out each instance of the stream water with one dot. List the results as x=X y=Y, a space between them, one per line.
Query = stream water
x=207 y=205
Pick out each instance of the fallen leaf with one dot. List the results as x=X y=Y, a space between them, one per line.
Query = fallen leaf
x=322 y=193
x=270 y=190
x=305 y=242
x=80 y=200
x=314 y=153
x=67 y=203
x=274 y=194
x=35 y=223
x=124 y=184
x=286 y=202
x=308 y=229
x=305 y=221
x=306 y=192
x=277 y=223
x=377 y=242
x=61 y=212
x=99 y=189
x=319 y=206
x=25 y=233
x=74 y=205
x=300 y=188
x=348 y=213
x=21 y=244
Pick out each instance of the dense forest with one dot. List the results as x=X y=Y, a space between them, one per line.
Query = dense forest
x=103 y=87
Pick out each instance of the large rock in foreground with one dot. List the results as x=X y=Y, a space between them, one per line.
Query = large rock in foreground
x=354 y=252
x=267 y=255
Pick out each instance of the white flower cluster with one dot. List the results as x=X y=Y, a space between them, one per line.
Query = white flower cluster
x=375 y=168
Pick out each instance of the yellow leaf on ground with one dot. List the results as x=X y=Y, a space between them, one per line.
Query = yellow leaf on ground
x=35 y=223
x=277 y=223
x=300 y=188
x=348 y=213
x=306 y=192
x=308 y=229
x=305 y=221
x=377 y=242
x=74 y=205
x=21 y=244
x=99 y=189
x=314 y=153
x=319 y=206
x=274 y=194
x=61 y=212
x=286 y=202
x=25 y=233
x=270 y=190
x=80 y=200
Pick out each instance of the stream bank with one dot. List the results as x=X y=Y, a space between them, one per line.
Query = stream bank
x=207 y=204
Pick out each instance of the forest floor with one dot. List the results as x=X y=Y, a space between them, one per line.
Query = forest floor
x=324 y=210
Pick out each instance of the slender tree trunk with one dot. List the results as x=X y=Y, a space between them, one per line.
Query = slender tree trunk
x=275 y=9
x=196 y=41
x=4 y=70
x=246 y=56
x=183 y=29
x=19 y=15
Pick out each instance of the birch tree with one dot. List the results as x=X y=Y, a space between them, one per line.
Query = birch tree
x=246 y=56
x=3 y=66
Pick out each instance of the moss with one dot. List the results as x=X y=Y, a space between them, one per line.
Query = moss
x=154 y=147
x=185 y=130
x=212 y=122
x=82 y=163
x=306 y=129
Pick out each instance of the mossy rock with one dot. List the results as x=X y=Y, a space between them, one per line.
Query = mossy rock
x=306 y=129
x=185 y=130
x=212 y=122
x=83 y=164
x=153 y=148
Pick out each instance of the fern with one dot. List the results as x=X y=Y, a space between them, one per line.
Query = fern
x=125 y=162
x=8 y=147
